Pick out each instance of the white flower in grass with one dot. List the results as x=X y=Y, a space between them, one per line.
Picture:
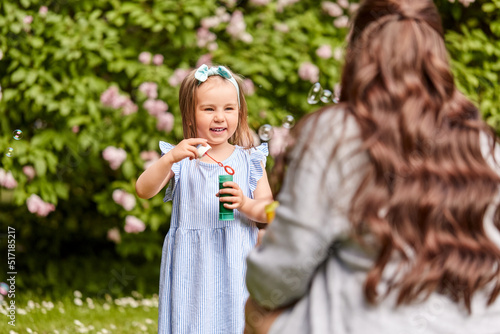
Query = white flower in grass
x=31 y=304
x=48 y=305
x=149 y=321
x=29 y=330
x=12 y=332
x=78 y=301
x=77 y=294
x=61 y=310
x=112 y=326
x=106 y=306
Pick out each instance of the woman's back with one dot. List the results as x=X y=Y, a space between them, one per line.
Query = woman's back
x=388 y=209
x=311 y=252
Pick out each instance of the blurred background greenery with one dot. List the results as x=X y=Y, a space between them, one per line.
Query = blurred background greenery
x=84 y=143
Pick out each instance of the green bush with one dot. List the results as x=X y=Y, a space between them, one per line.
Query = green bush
x=55 y=69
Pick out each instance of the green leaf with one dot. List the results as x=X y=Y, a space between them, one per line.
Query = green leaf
x=19 y=75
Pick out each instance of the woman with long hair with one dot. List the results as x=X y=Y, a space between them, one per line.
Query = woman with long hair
x=389 y=219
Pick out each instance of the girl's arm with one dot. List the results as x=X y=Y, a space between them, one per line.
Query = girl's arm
x=254 y=208
x=153 y=179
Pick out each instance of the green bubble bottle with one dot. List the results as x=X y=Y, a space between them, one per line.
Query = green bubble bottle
x=225 y=214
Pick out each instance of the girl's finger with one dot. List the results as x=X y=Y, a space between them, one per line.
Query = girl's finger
x=231 y=184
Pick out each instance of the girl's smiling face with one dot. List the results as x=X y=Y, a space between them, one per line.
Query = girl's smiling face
x=217 y=110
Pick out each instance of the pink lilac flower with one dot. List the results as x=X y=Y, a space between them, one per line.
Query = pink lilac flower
x=150 y=157
x=341 y=22
x=204 y=36
x=222 y=14
x=338 y=53
x=36 y=205
x=119 y=101
x=28 y=19
x=309 y=72
x=284 y=3
x=158 y=59
x=29 y=171
x=353 y=7
x=466 y=3
x=331 y=8
x=155 y=107
x=124 y=199
x=212 y=46
x=129 y=108
x=246 y=37
x=178 y=76
x=145 y=57
x=324 y=51
x=210 y=22
x=236 y=25
x=165 y=122
x=279 y=141
x=114 y=235
x=249 y=86
x=204 y=59
x=134 y=225
x=109 y=95
x=260 y=2
x=7 y=179
x=43 y=10
x=281 y=27
x=343 y=3
x=150 y=89
x=115 y=156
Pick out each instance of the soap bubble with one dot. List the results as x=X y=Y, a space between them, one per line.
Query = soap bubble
x=4 y=288
x=17 y=134
x=326 y=96
x=10 y=152
x=288 y=122
x=266 y=132
x=335 y=100
x=315 y=93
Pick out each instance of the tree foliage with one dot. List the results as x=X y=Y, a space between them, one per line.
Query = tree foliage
x=60 y=56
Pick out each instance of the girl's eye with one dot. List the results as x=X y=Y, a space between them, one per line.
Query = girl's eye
x=209 y=109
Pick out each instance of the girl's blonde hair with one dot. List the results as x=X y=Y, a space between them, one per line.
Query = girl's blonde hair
x=187 y=103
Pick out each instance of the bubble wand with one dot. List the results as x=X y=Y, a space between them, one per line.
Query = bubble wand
x=202 y=150
x=224 y=213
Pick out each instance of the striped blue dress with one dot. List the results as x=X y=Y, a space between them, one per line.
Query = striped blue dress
x=202 y=280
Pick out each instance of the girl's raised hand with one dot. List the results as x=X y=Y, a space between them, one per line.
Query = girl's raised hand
x=186 y=149
x=237 y=199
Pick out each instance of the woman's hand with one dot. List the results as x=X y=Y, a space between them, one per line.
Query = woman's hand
x=186 y=149
x=237 y=199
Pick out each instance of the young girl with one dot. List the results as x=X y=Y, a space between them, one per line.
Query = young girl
x=389 y=212
x=202 y=288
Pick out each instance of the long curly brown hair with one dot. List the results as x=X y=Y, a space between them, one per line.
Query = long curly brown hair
x=428 y=186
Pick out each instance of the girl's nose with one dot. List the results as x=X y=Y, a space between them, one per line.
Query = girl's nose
x=218 y=116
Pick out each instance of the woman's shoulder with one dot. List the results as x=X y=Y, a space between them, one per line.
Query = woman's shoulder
x=330 y=123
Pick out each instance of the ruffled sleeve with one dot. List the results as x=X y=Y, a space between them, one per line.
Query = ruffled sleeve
x=258 y=158
x=176 y=168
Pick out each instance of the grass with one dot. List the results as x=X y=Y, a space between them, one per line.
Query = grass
x=80 y=314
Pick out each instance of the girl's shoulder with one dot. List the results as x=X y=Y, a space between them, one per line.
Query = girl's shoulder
x=259 y=151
